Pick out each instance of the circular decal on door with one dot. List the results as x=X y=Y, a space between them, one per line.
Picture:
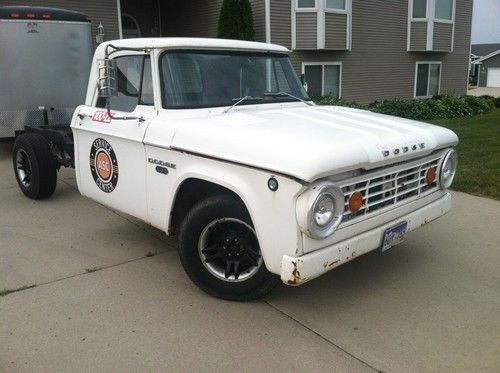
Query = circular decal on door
x=104 y=165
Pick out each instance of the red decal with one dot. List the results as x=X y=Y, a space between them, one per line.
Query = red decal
x=101 y=116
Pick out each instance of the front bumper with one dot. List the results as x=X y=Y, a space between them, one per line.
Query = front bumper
x=298 y=270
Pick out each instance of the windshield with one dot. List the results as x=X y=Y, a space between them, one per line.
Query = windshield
x=193 y=79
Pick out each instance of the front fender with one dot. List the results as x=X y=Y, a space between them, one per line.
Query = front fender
x=272 y=213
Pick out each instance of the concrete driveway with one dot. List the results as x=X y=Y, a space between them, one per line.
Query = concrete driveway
x=480 y=91
x=111 y=296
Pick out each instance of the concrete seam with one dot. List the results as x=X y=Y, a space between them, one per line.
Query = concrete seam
x=322 y=337
x=98 y=269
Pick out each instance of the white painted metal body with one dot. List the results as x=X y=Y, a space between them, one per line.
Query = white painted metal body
x=241 y=149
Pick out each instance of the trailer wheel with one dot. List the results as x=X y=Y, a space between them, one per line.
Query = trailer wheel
x=34 y=166
x=220 y=252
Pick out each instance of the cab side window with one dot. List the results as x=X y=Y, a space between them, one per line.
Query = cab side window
x=135 y=84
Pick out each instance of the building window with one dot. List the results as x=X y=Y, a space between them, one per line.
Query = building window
x=316 y=24
x=322 y=78
x=427 y=79
x=306 y=4
x=431 y=25
x=441 y=10
x=335 y=4
x=419 y=9
x=444 y=10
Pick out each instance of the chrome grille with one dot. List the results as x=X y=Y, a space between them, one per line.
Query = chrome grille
x=389 y=186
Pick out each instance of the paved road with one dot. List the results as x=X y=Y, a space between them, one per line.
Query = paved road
x=111 y=296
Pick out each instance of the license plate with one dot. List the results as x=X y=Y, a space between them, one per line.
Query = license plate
x=394 y=235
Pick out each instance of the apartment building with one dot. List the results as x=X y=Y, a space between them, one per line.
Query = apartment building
x=361 y=50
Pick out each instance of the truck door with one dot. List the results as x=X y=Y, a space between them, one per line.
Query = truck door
x=110 y=158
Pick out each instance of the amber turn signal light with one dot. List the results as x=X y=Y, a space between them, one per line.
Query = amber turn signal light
x=355 y=202
x=430 y=175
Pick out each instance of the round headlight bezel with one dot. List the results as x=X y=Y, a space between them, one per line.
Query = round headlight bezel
x=452 y=156
x=320 y=232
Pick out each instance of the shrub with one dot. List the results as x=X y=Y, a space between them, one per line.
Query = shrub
x=455 y=107
x=437 y=107
x=488 y=97
x=411 y=109
x=335 y=101
x=479 y=105
x=496 y=102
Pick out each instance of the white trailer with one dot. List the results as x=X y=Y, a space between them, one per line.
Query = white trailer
x=45 y=59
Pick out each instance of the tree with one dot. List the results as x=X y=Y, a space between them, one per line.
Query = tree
x=246 y=30
x=236 y=20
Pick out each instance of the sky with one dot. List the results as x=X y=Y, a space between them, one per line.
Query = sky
x=486 y=22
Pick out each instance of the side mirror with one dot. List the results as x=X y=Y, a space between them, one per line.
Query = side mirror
x=106 y=78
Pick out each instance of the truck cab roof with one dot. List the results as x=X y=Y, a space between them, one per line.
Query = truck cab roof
x=191 y=43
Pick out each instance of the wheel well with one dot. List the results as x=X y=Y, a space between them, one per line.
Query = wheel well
x=190 y=192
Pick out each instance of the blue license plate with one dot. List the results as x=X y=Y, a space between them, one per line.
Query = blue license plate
x=394 y=235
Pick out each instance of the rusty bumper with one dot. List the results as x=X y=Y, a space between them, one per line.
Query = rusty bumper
x=298 y=270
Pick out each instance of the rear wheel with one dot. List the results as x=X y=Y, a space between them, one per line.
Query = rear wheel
x=34 y=166
x=220 y=252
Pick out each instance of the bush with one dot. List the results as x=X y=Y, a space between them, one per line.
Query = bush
x=405 y=108
x=479 y=105
x=494 y=100
x=335 y=101
x=437 y=107
x=454 y=107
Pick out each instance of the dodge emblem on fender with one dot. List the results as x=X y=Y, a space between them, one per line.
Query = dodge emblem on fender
x=104 y=165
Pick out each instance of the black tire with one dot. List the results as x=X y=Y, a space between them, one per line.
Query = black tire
x=34 y=166
x=200 y=217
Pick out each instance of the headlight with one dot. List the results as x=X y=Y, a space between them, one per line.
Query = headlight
x=448 y=169
x=320 y=210
x=324 y=210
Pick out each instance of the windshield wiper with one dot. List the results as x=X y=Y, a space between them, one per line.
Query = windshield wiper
x=240 y=100
x=281 y=94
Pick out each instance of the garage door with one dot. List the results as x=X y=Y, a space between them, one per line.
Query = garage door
x=493 y=77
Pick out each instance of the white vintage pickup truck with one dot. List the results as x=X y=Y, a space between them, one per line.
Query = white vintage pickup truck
x=217 y=141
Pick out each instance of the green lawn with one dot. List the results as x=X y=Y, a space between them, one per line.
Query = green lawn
x=479 y=153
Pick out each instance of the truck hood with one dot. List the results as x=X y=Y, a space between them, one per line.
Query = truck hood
x=309 y=142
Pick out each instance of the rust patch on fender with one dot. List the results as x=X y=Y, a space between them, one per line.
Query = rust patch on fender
x=296 y=279
x=326 y=264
